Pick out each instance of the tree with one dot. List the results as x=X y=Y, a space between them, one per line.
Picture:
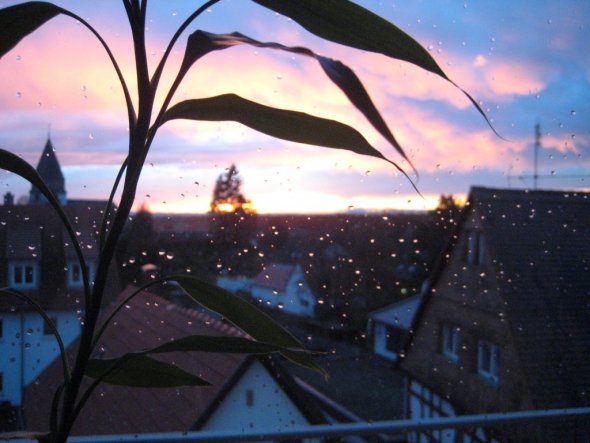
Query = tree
x=233 y=220
x=340 y=21
x=227 y=196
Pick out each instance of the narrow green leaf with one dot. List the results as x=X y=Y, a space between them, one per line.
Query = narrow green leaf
x=201 y=43
x=207 y=343
x=347 y=23
x=280 y=123
x=18 y=21
x=247 y=317
x=141 y=371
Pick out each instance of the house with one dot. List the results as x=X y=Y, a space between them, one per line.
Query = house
x=246 y=392
x=504 y=323
x=389 y=326
x=38 y=260
x=281 y=286
x=277 y=286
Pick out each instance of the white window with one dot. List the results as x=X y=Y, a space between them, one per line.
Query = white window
x=23 y=274
x=450 y=341
x=488 y=356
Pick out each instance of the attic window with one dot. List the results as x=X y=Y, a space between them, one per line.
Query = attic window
x=475 y=247
x=488 y=356
x=450 y=341
x=23 y=274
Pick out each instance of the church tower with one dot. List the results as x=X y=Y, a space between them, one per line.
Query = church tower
x=50 y=171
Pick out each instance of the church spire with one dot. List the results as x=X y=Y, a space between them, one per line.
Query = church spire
x=50 y=171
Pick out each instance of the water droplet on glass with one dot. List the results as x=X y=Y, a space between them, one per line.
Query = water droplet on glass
x=573 y=113
x=18 y=94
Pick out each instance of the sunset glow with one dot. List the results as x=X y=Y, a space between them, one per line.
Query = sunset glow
x=523 y=72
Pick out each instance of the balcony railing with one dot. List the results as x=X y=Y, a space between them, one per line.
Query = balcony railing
x=572 y=416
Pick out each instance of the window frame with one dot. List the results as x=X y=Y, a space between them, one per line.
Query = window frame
x=488 y=365
x=450 y=342
x=475 y=247
x=22 y=265
x=78 y=283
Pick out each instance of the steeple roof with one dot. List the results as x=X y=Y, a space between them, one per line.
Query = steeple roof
x=50 y=171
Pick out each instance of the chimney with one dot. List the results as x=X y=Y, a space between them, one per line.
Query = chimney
x=8 y=199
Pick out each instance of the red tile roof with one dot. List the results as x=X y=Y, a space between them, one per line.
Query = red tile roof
x=147 y=321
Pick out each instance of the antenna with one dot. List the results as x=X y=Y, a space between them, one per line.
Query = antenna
x=536 y=176
x=537 y=147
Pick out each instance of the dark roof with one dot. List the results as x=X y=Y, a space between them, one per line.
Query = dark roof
x=50 y=171
x=147 y=321
x=539 y=242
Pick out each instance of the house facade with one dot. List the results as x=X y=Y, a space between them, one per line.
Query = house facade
x=279 y=286
x=389 y=327
x=38 y=260
x=504 y=322
x=284 y=287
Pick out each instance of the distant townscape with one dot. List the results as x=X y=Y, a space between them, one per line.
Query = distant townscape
x=464 y=310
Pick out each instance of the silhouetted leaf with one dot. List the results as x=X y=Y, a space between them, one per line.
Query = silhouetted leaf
x=247 y=317
x=142 y=372
x=347 y=23
x=280 y=123
x=206 y=343
x=200 y=43
x=18 y=21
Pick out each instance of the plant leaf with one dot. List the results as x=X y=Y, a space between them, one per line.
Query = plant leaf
x=207 y=343
x=280 y=123
x=141 y=371
x=18 y=21
x=247 y=317
x=347 y=23
x=200 y=43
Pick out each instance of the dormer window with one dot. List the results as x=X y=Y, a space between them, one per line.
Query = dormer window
x=475 y=247
x=23 y=274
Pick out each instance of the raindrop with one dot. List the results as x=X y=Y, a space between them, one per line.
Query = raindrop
x=90 y=136
x=573 y=113
x=18 y=94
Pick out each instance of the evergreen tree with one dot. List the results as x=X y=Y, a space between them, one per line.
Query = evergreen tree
x=227 y=196
x=233 y=223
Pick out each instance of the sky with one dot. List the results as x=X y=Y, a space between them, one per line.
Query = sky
x=525 y=62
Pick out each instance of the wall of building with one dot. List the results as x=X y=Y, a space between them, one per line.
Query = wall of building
x=26 y=350
x=256 y=402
